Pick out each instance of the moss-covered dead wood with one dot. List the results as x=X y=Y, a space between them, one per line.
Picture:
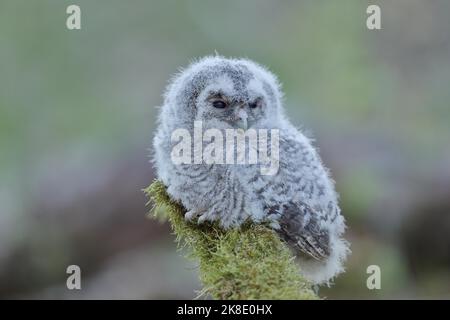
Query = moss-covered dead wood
x=246 y=263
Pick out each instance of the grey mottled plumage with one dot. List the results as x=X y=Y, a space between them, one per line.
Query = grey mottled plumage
x=299 y=201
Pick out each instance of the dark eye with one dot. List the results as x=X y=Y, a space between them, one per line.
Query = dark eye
x=254 y=104
x=219 y=104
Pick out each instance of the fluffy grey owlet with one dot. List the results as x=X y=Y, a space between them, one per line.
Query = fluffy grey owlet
x=209 y=106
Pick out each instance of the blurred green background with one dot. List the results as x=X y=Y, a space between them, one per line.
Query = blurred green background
x=78 y=109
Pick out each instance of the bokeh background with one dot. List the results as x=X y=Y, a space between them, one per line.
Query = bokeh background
x=78 y=109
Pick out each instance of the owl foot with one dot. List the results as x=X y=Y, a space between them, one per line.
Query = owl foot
x=192 y=214
x=204 y=217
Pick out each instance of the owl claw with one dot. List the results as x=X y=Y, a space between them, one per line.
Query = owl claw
x=192 y=214
x=189 y=215
x=202 y=218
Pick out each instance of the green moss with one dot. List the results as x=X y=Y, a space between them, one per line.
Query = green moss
x=246 y=263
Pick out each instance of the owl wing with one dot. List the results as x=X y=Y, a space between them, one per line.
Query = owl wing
x=299 y=227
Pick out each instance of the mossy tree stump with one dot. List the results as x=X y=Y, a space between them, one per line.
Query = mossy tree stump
x=246 y=263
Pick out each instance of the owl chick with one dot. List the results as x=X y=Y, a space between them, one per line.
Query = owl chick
x=298 y=200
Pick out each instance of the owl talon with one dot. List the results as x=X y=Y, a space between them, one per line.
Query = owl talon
x=202 y=218
x=189 y=215
x=192 y=214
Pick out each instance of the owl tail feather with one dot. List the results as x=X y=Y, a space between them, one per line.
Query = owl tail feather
x=324 y=271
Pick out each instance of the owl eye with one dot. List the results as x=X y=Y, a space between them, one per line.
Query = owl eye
x=254 y=104
x=219 y=104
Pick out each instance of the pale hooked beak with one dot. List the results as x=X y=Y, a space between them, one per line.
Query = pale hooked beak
x=241 y=119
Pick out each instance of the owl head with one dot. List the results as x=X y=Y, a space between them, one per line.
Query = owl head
x=225 y=93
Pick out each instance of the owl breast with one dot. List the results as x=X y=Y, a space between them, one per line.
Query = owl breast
x=213 y=192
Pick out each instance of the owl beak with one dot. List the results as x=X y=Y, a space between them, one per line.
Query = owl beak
x=241 y=119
